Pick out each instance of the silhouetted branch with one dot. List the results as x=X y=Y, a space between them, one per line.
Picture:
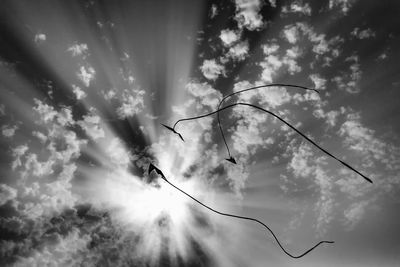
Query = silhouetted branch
x=158 y=171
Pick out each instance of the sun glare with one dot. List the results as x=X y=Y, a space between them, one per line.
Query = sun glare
x=163 y=200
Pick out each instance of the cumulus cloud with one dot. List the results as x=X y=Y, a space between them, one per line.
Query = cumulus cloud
x=40 y=38
x=228 y=37
x=239 y=51
x=343 y=5
x=79 y=93
x=214 y=11
x=91 y=125
x=86 y=75
x=297 y=7
x=349 y=81
x=319 y=82
x=354 y=214
x=7 y=193
x=247 y=14
x=363 y=34
x=275 y=60
x=132 y=103
x=207 y=95
x=78 y=49
x=9 y=130
x=304 y=164
x=211 y=69
x=291 y=33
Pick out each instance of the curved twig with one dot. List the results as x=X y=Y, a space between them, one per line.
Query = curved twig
x=248 y=219
x=253 y=88
x=285 y=122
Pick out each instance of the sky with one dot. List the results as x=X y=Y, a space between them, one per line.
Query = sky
x=86 y=85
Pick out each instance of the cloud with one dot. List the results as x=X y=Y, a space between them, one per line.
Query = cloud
x=344 y=5
x=291 y=33
x=79 y=93
x=273 y=61
x=86 y=75
x=211 y=69
x=214 y=11
x=17 y=153
x=239 y=51
x=362 y=139
x=228 y=37
x=208 y=96
x=349 y=81
x=132 y=103
x=40 y=38
x=355 y=213
x=46 y=112
x=7 y=193
x=78 y=50
x=297 y=7
x=319 y=82
x=247 y=15
x=91 y=125
x=363 y=34
x=9 y=130
x=330 y=117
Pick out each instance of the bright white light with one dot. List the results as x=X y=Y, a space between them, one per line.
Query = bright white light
x=164 y=200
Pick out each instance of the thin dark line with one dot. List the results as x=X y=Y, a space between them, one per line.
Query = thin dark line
x=248 y=89
x=249 y=219
x=288 y=124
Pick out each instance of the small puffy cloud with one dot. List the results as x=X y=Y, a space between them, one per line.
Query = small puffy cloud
x=228 y=37
x=78 y=49
x=274 y=96
x=64 y=116
x=360 y=138
x=330 y=117
x=79 y=93
x=297 y=7
x=46 y=112
x=208 y=96
x=349 y=81
x=363 y=34
x=40 y=38
x=86 y=75
x=42 y=138
x=273 y=61
x=214 y=11
x=132 y=103
x=354 y=214
x=90 y=124
x=272 y=3
x=290 y=59
x=17 y=153
x=211 y=69
x=239 y=51
x=118 y=153
x=109 y=94
x=300 y=162
x=247 y=14
x=7 y=193
x=343 y=5
x=291 y=33
x=8 y=130
x=319 y=82
x=270 y=48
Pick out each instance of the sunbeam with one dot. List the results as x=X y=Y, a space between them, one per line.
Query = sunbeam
x=253 y=115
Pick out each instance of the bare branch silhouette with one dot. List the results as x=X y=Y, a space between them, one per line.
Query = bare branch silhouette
x=158 y=171
x=285 y=122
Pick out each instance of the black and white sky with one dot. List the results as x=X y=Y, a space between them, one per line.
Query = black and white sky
x=85 y=86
